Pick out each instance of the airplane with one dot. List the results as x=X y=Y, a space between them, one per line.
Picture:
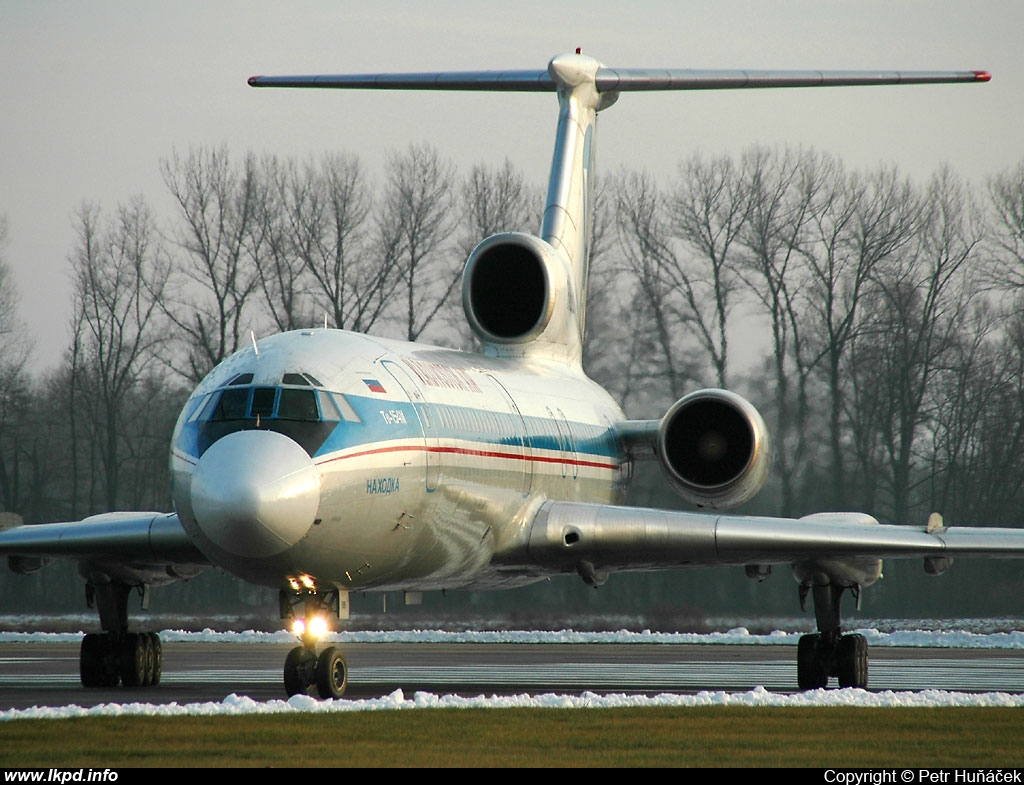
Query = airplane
x=320 y=462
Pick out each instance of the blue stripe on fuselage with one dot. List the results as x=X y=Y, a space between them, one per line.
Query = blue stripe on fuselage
x=384 y=420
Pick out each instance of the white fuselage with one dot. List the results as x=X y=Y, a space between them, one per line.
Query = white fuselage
x=417 y=468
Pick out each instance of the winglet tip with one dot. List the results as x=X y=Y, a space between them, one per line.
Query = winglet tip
x=982 y=76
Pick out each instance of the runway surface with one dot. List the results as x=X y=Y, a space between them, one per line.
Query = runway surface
x=34 y=674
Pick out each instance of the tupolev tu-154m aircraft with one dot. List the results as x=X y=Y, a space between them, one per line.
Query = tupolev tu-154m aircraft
x=320 y=462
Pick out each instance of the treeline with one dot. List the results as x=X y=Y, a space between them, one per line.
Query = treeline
x=876 y=321
x=887 y=314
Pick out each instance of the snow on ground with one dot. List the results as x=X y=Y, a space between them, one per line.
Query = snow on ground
x=950 y=638
x=966 y=636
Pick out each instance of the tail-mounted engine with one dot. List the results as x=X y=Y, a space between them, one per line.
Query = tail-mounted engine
x=714 y=448
x=516 y=290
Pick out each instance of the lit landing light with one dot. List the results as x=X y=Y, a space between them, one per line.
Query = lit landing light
x=316 y=628
x=255 y=493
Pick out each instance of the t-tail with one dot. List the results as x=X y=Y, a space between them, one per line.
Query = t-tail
x=526 y=295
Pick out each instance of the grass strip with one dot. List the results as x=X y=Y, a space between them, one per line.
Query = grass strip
x=619 y=737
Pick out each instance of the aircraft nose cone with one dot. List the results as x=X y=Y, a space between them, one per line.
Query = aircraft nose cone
x=255 y=493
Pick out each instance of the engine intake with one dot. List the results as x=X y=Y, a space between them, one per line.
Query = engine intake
x=714 y=448
x=507 y=290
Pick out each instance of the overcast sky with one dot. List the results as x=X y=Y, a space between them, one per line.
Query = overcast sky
x=94 y=94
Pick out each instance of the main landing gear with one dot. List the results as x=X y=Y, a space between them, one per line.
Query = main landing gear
x=117 y=656
x=303 y=667
x=829 y=652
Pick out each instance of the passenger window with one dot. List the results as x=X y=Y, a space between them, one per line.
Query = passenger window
x=298 y=405
x=263 y=401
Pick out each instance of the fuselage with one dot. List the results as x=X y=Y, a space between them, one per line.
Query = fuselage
x=329 y=458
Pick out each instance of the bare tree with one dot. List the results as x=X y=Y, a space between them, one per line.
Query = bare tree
x=969 y=381
x=120 y=272
x=707 y=211
x=1006 y=199
x=782 y=188
x=216 y=277
x=856 y=223
x=415 y=224
x=15 y=389
x=497 y=200
x=659 y=351
x=333 y=243
x=280 y=197
x=923 y=296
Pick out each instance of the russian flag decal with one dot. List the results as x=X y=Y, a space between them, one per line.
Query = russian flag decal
x=374 y=385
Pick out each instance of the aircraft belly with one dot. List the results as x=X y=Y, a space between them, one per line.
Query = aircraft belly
x=388 y=531
x=404 y=536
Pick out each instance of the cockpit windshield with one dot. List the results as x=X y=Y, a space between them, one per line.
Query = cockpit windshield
x=295 y=408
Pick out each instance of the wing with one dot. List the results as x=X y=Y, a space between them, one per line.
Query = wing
x=844 y=547
x=130 y=547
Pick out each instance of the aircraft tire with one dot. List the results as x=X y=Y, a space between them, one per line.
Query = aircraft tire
x=158 y=657
x=148 y=655
x=133 y=660
x=90 y=661
x=331 y=673
x=299 y=671
x=811 y=663
x=852 y=661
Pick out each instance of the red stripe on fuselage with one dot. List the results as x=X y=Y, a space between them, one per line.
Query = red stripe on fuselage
x=476 y=453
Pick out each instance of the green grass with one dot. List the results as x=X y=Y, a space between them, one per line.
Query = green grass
x=699 y=737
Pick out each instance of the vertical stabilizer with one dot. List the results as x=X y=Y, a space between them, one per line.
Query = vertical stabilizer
x=568 y=224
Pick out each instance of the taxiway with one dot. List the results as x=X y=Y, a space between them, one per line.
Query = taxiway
x=46 y=674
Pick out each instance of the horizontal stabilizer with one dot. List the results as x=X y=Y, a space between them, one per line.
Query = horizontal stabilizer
x=634 y=79
x=524 y=81
x=618 y=80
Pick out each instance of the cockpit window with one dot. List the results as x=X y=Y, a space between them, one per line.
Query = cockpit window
x=298 y=405
x=263 y=401
x=242 y=378
x=301 y=379
x=328 y=409
x=301 y=412
x=233 y=405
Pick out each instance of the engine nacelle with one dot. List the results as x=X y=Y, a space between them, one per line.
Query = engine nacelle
x=714 y=448
x=510 y=286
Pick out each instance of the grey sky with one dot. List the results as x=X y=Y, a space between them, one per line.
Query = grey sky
x=93 y=95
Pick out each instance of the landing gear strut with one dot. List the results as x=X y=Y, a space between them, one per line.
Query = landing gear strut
x=117 y=656
x=829 y=652
x=303 y=668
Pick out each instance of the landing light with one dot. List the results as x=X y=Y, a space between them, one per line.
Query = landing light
x=316 y=627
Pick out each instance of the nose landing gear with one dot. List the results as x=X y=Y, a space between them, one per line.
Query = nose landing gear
x=303 y=668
